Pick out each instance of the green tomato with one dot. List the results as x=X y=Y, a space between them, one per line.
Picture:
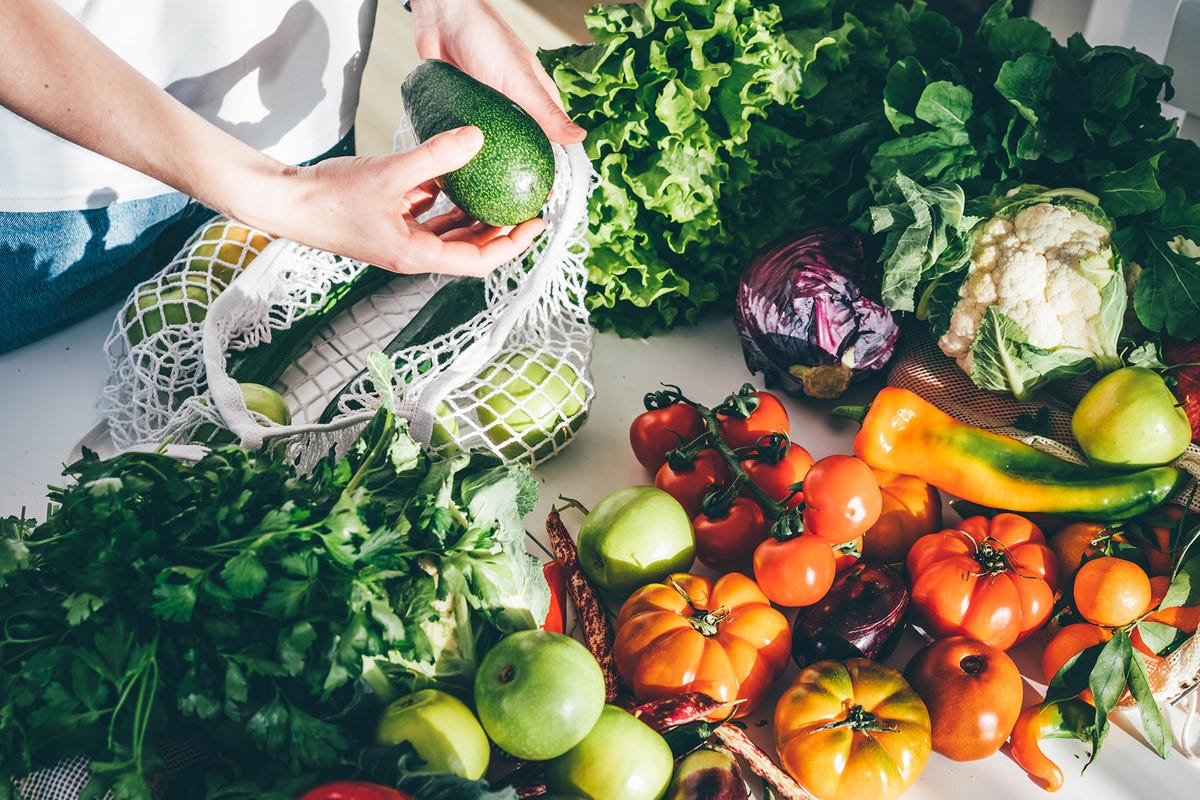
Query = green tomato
x=1130 y=419
x=527 y=399
x=621 y=758
x=634 y=536
x=442 y=730
x=538 y=693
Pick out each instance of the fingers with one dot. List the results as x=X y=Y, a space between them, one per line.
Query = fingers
x=472 y=250
x=440 y=154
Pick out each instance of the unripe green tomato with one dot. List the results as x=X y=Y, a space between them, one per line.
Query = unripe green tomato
x=529 y=399
x=634 y=536
x=1130 y=419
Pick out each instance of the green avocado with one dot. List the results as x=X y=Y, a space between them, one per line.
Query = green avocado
x=508 y=181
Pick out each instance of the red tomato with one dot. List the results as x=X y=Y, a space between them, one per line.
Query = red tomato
x=911 y=509
x=355 y=790
x=708 y=470
x=974 y=694
x=796 y=571
x=727 y=543
x=777 y=478
x=993 y=580
x=656 y=432
x=766 y=417
x=841 y=499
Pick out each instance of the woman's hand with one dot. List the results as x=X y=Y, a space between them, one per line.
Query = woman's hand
x=367 y=208
x=472 y=36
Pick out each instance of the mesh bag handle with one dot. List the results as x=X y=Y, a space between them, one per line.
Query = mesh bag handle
x=174 y=383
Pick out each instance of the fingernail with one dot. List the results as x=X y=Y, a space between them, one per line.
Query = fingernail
x=470 y=137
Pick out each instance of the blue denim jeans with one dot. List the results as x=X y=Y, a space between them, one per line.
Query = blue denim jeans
x=58 y=267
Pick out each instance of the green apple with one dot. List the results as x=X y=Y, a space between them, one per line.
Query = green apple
x=225 y=248
x=165 y=302
x=621 y=758
x=634 y=536
x=529 y=400
x=1130 y=419
x=266 y=401
x=538 y=693
x=442 y=730
x=445 y=427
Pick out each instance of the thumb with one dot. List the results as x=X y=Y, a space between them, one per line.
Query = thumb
x=442 y=153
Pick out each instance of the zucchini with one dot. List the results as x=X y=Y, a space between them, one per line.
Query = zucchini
x=266 y=362
x=455 y=303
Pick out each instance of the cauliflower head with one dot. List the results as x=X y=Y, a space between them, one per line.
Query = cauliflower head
x=1042 y=295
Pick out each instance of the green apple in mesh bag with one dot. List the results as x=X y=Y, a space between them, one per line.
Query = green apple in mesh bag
x=529 y=399
x=169 y=300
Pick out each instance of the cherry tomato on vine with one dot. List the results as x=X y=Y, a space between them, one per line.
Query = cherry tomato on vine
x=841 y=499
x=775 y=479
x=768 y=416
x=707 y=470
x=795 y=572
x=654 y=433
x=726 y=543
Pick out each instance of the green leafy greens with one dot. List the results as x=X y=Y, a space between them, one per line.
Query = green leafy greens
x=1013 y=106
x=235 y=601
x=718 y=127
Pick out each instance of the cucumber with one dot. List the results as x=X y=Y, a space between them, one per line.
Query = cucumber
x=509 y=179
x=455 y=303
x=266 y=362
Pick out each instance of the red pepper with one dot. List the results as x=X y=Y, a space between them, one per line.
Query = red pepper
x=556 y=577
x=355 y=790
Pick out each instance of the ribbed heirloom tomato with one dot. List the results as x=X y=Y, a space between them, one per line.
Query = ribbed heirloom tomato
x=852 y=730
x=993 y=580
x=694 y=634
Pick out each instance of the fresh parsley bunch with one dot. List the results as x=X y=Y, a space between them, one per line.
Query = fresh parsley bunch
x=234 y=601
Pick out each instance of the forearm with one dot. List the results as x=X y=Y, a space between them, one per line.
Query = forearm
x=60 y=77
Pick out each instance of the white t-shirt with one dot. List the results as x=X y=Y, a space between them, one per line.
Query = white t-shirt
x=281 y=75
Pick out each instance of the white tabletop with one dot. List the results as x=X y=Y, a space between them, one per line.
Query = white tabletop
x=48 y=394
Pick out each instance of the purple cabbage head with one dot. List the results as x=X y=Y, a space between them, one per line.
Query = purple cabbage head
x=809 y=317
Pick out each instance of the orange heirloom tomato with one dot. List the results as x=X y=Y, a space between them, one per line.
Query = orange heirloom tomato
x=691 y=633
x=993 y=580
x=912 y=508
x=852 y=730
